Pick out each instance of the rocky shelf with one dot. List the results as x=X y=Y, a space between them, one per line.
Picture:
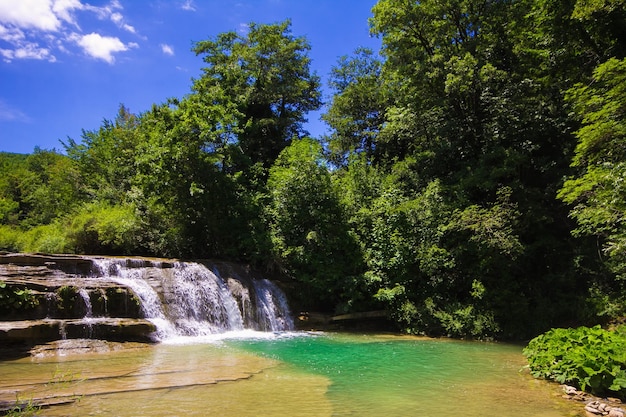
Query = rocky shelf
x=53 y=297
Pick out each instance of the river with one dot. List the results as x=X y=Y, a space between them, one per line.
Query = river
x=289 y=374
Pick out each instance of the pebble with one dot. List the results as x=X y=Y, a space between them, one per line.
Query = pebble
x=595 y=407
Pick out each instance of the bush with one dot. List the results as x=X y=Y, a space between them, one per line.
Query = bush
x=12 y=298
x=592 y=359
x=49 y=238
x=9 y=238
x=102 y=228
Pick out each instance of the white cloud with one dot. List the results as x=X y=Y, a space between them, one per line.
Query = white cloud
x=6 y=54
x=11 y=114
x=188 y=5
x=118 y=19
x=35 y=29
x=102 y=47
x=27 y=50
x=63 y=9
x=33 y=51
x=129 y=28
x=35 y=14
x=243 y=28
x=11 y=34
x=167 y=49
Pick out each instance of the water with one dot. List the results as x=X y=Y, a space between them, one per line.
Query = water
x=189 y=299
x=291 y=374
x=272 y=304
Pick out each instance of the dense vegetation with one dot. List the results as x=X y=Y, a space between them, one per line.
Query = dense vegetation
x=472 y=184
x=592 y=359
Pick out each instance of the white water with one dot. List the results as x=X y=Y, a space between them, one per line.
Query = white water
x=82 y=292
x=189 y=300
x=272 y=302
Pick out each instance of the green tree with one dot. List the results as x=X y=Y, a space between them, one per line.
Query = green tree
x=263 y=80
x=12 y=168
x=357 y=109
x=480 y=112
x=597 y=193
x=310 y=238
x=106 y=157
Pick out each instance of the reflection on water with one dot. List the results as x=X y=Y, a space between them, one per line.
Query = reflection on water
x=296 y=375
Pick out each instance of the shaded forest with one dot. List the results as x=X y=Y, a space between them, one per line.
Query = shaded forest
x=473 y=182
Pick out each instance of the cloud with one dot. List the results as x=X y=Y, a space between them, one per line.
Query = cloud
x=167 y=49
x=11 y=34
x=31 y=14
x=35 y=29
x=22 y=49
x=243 y=28
x=102 y=47
x=188 y=5
x=118 y=19
x=64 y=9
x=10 y=114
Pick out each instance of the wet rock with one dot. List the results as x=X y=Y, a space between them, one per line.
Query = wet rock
x=81 y=346
x=41 y=331
x=600 y=408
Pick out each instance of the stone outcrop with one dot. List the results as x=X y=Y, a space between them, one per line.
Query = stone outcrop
x=52 y=297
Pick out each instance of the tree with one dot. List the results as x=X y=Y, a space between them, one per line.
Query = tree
x=310 y=238
x=598 y=193
x=357 y=109
x=106 y=157
x=264 y=83
x=478 y=111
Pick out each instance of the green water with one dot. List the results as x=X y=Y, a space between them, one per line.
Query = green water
x=393 y=376
x=295 y=375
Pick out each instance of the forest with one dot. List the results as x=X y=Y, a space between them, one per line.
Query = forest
x=473 y=183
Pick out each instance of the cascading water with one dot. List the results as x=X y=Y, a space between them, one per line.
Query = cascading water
x=189 y=299
x=273 y=304
x=84 y=295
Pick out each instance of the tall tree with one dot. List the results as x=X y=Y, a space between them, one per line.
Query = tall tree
x=473 y=112
x=264 y=80
x=357 y=109
x=106 y=157
x=310 y=237
x=598 y=192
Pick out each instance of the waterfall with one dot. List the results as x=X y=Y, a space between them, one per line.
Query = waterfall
x=190 y=299
x=272 y=304
x=82 y=292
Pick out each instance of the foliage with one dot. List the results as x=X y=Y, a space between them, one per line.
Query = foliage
x=66 y=299
x=592 y=359
x=438 y=193
x=357 y=110
x=598 y=193
x=310 y=238
x=102 y=228
x=9 y=237
x=264 y=82
x=106 y=157
x=24 y=409
x=13 y=298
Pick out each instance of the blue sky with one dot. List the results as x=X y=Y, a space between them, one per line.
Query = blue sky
x=65 y=65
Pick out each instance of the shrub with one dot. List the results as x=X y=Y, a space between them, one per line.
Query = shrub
x=593 y=359
x=49 y=238
x=12 y=298
x=9 y=238
x=102 y=228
